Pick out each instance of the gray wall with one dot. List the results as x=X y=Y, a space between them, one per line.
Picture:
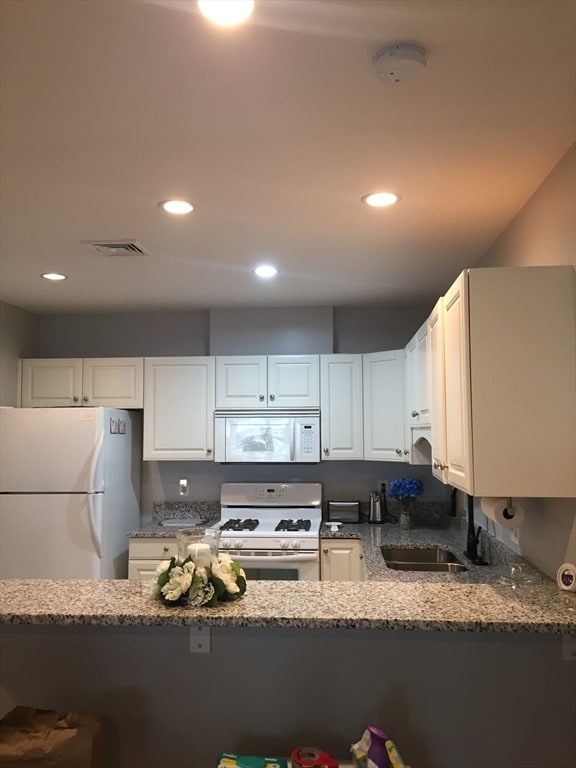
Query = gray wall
x=543 y=233
x=448 y=699
x=18 y=338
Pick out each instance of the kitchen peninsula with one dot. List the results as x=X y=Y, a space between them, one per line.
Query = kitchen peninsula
x=380 y=651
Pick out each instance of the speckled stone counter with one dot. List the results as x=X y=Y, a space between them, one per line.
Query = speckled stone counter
x=388 y=600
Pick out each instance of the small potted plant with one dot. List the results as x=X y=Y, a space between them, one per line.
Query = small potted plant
x=405 y=490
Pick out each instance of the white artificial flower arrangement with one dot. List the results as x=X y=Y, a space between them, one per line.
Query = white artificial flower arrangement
x=181 y=581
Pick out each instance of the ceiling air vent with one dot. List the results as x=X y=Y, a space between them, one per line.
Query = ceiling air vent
x=118 y=247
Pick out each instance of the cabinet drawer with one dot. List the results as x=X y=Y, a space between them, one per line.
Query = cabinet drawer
x=158 y=549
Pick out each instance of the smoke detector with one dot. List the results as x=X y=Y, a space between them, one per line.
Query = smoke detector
x=399 y=63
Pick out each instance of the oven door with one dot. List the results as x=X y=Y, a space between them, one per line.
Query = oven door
x=277 y=565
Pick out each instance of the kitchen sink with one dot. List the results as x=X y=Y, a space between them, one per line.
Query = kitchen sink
x=422 y=559
x=182 y=522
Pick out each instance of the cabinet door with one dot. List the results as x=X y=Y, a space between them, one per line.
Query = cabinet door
x=179 y=397
x=341 y=406
x=437 y=390
x=142 y=570
x=383 y=382
x=420 y=414
x=409 y=395
x=457 y=382
x=294 y=381
x=241 y=382
x=342 y=560
x=113 y=382
x=52 y=382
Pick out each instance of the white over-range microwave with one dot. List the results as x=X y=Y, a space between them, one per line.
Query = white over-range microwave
x=253 y=437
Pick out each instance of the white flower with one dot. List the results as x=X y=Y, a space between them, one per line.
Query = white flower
x=222 y=569
x=179 y=583
x=161 y=567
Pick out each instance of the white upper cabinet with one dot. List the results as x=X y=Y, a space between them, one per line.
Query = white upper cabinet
x=383 y=381
x=179 y=408
x=115 y=382
x=279 y=381
x=341 y=407
x=417 y=411
x=509 y=374
x=437 y=390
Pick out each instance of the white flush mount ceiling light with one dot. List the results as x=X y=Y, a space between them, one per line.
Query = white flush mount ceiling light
x=266 y=271
x=53 y=276
x=380 y=199
x=226 y=13
x=176 y=207
x=399 y=63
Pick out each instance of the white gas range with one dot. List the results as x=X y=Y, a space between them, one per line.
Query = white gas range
x=272 y=529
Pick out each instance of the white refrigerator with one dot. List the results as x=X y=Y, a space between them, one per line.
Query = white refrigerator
x=69 y=491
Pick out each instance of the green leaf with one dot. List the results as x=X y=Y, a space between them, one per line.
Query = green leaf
x=218 y=584
x=241 y=582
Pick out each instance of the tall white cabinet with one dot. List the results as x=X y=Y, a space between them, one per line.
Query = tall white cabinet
x=509 y=338
x=179 y=408
x=341 y=406
x=383 y=380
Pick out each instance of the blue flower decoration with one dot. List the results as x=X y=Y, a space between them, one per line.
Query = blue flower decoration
x=405 y=488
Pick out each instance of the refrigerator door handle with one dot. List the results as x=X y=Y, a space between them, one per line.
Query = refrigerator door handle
x=92 y=523
x=94 y=463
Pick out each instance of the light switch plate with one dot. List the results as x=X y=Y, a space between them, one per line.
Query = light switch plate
x=200 y=640
x=569 y=647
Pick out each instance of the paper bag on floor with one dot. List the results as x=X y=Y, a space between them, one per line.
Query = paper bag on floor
x=39 y=737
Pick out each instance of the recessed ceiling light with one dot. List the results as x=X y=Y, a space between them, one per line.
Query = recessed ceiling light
x=177 y=207
x=227 y=13
x=266 y=271
x=380 y=199
x=53 y=276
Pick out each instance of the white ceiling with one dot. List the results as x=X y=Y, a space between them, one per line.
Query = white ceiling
x=273 y=131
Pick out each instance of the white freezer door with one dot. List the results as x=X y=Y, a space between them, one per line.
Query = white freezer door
x=51 y=450
x=53 y=536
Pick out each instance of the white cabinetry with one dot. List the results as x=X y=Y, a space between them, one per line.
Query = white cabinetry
x=115 y=382
x=281 y=381
x=144 y=555
x=341 y=407
x=437 y=390
x=417 y=410
x=342 y=560
x=509 y=375
x=383 y=383
x=179 y=408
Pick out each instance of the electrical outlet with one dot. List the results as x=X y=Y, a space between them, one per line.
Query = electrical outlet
x=183 y=487
x=515 y=537
x=569 y=647
x=200 y=640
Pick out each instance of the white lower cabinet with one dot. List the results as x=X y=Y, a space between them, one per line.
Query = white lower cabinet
x=342 y=560
x=144 y=555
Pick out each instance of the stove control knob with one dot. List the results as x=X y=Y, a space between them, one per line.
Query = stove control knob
x=238 y=544
x=226 y=544
x=296 y=544
x=284 y=544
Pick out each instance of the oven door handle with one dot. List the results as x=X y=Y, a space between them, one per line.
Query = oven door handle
x=312 y=557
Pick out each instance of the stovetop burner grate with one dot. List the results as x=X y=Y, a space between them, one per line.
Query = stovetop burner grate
x=237 y=524
x=293 y=525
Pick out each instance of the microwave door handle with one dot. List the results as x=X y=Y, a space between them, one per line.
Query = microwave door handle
x=272 y=559
x=292 y=440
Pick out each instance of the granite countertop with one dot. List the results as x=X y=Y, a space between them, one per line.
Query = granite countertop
x=471 y=601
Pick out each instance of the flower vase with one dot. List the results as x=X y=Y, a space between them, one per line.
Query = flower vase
x=405 y=520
